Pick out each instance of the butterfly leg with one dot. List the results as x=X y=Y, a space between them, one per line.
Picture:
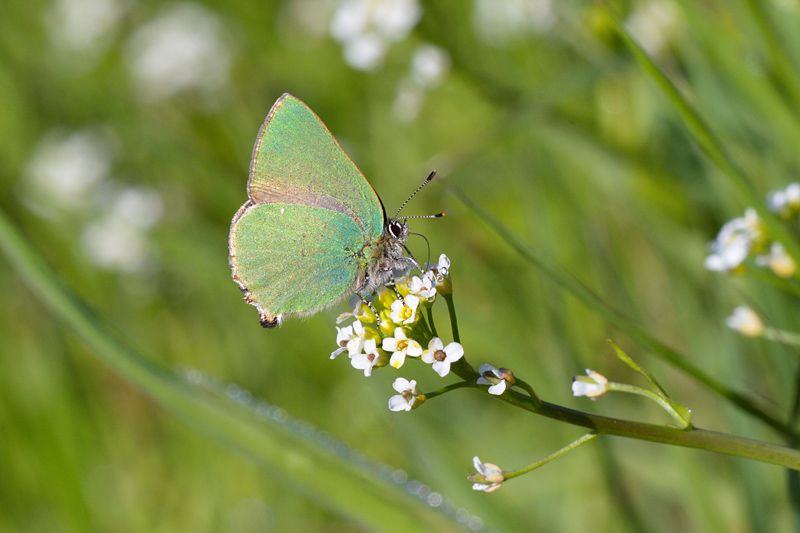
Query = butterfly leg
x=372 y=308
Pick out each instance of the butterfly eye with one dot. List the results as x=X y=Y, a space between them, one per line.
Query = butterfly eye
x=396 y=229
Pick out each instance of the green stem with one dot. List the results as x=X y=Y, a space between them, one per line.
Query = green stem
x=784 y=337
x=556 y=455
x=790 y=285
x=527 y=388
x=690 y=438
x=632 y=389
x=430 y=321
x=451 y=308
x=448 y=388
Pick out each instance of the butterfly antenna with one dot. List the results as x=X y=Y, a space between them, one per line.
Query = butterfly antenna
x=427 y=242
x=424 y=183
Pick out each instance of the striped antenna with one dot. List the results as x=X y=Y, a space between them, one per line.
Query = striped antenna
x=424 y=183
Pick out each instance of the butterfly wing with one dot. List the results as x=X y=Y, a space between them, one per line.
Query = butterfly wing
x=296 y=246
x=296 y=160
x=293 y=259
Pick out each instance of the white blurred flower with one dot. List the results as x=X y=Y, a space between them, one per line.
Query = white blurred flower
x=429 y=65
x=141 y=207
x=366 y=28
x=499 y=21
x=734 y=241
x=182 y=50
x=118 y=240
x=66 y=168
x=408 y=102
x=745 y=321
x=786 y=201
x=592 y=385
x=655 y=24
x=115 y=245
x=778 y=261
x=84 y=26
x=365 y=51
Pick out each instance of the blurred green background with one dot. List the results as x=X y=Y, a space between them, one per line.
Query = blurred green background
x=126 y=128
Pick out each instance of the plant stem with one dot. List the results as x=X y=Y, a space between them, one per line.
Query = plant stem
x=451 y=308
x=430 y=321
x=690 y=438
x=448 y=388
x=533 y=466
x=632 y=389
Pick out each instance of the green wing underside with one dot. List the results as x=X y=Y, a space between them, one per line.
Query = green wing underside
x=296 y=160
x=295 y=259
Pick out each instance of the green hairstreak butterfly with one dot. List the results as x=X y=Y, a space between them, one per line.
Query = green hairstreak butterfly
x=313 y=230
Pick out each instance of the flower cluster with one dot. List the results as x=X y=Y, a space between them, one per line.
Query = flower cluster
x=746 y=238
x=391 y=328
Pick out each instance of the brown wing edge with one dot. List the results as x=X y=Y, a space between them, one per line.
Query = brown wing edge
x=267 y=319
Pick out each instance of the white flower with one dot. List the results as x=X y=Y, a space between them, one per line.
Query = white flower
x=350 y=338
x=409 y=398
x=85 y=26
x=784 y=201
x=440 y=270
x=793 y=195
x=734 y=241
x=429 y=65
x=488 y=477
x=367 y=359
x=401 y=346
x=655 y=25
x=182 y=50
x=777 y=203
x=778 y=261
x=114 y=244
x=67 y=168
x=367 y=27
x=422 y=286
x=499 y=22
x=443 y=268
x=405 y=311
x=745 y=321
x=495 y=377
x=592 y=385
x=441 y=357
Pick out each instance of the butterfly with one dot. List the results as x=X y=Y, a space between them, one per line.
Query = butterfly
x=313 y=230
